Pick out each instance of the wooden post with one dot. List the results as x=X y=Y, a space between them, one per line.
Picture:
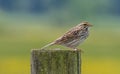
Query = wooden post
x=55 y=62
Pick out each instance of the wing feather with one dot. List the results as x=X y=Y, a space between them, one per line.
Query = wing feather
x=69 y=35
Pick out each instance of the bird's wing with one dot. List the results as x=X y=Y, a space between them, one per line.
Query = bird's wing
x=69 y=35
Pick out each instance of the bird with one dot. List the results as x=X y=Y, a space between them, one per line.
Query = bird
x=73 y=37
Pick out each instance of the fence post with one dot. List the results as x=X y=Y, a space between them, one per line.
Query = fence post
x=56 y=61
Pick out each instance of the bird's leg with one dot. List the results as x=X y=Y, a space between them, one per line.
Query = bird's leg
x=75 y=49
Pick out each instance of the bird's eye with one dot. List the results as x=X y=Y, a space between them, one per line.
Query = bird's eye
x=85 y=24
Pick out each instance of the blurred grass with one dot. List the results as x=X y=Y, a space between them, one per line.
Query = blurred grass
x=101 y=49
x=21 y=31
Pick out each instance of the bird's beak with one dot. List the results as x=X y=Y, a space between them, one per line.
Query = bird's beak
x=90 y=25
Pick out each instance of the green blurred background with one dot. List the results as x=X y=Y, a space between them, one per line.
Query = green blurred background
x=28 y=24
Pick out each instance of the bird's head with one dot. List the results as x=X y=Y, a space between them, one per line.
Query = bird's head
x=85 y=24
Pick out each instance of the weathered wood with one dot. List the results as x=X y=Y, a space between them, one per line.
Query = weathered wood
x=55 y=62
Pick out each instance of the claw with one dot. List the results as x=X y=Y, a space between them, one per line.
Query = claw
x=79 y=50
x=75 y=49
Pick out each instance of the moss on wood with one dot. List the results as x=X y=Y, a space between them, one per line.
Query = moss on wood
x=55 y=62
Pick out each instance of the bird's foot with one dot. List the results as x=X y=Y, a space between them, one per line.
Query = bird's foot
x=76 y=49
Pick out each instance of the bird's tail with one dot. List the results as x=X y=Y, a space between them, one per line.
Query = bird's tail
x=50 y=44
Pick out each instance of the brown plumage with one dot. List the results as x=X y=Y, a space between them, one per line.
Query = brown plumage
x=73 y=37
